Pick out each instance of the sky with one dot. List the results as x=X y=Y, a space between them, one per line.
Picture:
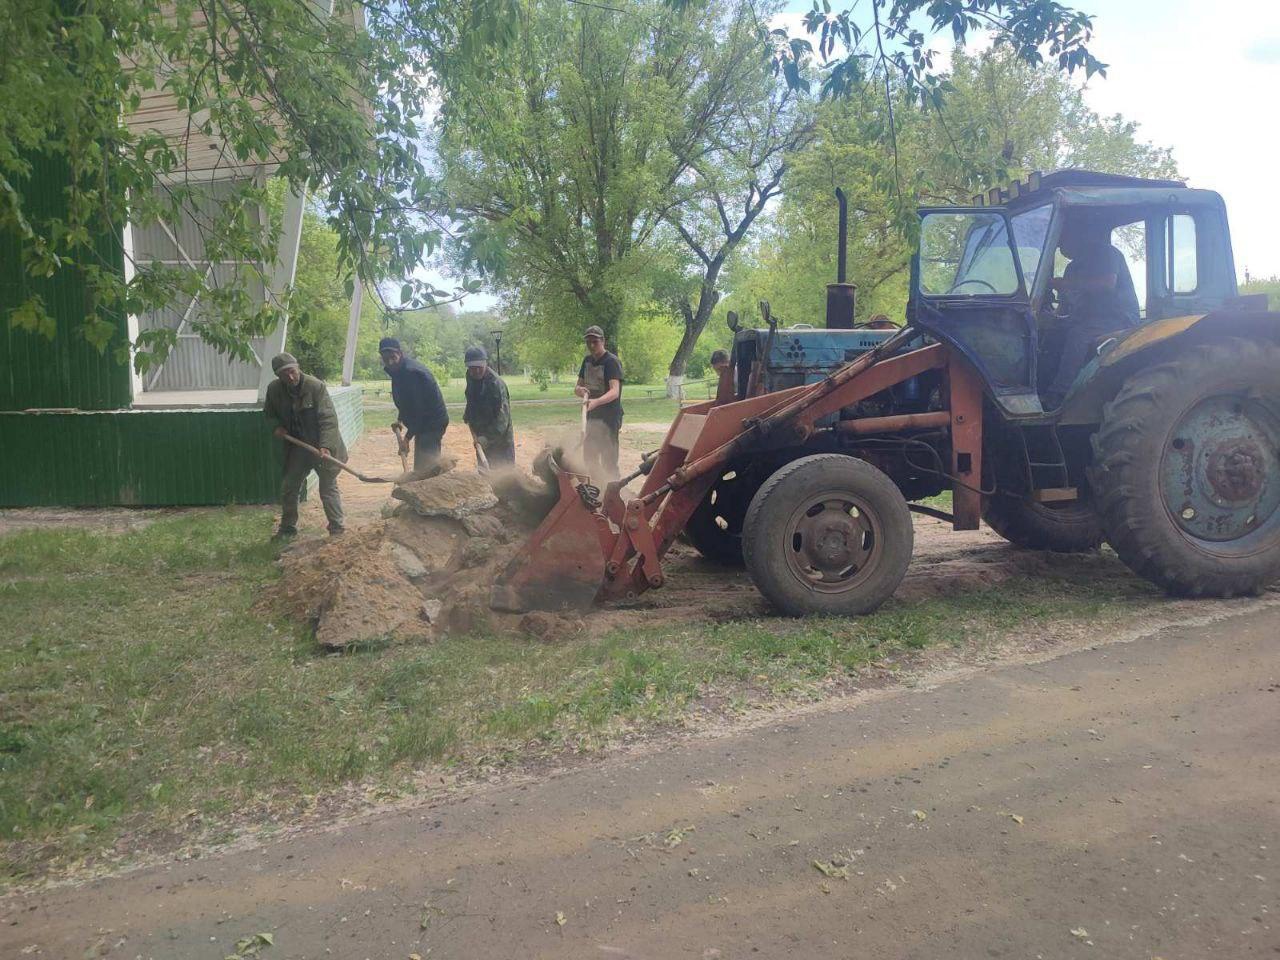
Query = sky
x=1202 y=78
x=1199 y=77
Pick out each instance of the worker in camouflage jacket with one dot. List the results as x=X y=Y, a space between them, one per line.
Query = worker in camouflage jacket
x=299 y=406
x=488 y=412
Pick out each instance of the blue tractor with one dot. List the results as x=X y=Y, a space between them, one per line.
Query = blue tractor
x=1155 y=427
x=1076 y=366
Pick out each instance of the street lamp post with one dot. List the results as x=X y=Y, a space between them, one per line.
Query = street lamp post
x=497 y=342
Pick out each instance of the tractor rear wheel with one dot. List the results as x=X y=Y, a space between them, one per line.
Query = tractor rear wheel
x=1186 y=470
x=827 y=534
x=1070 y=526
x=715 y=527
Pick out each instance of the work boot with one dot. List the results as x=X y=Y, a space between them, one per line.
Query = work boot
x=337 y=531
x=285 y=533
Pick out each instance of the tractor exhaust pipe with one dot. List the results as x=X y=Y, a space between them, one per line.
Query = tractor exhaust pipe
x=841 y=295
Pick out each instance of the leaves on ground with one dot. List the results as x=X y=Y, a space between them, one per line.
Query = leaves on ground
x=251 y=946
x=829 y=869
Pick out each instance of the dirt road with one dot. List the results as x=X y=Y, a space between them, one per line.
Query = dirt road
x=1119 y=802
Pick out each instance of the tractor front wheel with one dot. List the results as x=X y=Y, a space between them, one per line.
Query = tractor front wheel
x=827 y=534
x=1186 y=470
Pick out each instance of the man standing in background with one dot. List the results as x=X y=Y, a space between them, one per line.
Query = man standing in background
x=600 y=381
x=299 y=406
x=419 y=403
x=488 y=412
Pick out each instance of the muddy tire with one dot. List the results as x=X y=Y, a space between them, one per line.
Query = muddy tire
x=1071 y=526
x=828 y=535
x=1186 y=470
x=715 y=528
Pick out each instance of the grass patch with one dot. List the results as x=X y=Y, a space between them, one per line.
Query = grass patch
x=144 y=694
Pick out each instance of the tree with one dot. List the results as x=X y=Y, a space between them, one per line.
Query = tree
x=337 y=106
x=729 y=178
x=342 y=110
x=1270 y=286
x=1001 y=120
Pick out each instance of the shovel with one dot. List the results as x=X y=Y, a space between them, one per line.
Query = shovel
x=401 y=446
x=481 y=460
x=334 y=460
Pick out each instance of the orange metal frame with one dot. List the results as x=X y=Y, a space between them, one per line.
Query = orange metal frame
x=633 y=535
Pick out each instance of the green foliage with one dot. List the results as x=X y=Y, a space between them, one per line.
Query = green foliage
x=439 y=336
x=1270 y=286
x=1001 y=120
x=649 y=337
x=889 y=42
x=588 y=172
x=338 y=106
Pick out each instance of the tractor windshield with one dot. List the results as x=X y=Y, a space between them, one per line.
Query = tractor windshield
x=966 y=255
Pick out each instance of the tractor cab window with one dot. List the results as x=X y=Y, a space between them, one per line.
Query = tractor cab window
x=1131 y=240
x=1181 y=267
x=1030 y=229
x=966 y=255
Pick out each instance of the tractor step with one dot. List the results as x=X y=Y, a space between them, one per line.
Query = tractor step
x=1055 y=494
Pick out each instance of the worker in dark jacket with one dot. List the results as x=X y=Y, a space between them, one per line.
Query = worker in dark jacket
x=299 y=406
x=488 y=411
x=419 y=403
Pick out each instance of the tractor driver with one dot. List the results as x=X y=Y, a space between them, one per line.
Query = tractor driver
x=1096 y=297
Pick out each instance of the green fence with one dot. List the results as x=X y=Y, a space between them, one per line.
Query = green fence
x=148 y=457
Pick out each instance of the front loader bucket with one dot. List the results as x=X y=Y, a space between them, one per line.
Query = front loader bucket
x=562 y=566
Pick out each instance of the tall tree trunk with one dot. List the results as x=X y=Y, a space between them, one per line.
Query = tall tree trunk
x=695 y=321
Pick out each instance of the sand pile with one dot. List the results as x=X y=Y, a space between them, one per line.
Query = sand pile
x=424 y=570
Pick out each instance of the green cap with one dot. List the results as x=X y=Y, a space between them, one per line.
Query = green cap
x=283 y=361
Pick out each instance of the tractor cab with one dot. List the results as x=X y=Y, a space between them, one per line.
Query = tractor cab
x=996 y=280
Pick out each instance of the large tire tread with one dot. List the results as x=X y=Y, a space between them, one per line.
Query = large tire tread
x=1120 y=474
x=1036 y=527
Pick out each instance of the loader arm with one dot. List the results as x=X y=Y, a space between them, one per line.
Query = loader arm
x=616 y=545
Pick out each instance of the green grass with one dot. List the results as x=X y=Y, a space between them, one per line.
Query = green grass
x=147 y=697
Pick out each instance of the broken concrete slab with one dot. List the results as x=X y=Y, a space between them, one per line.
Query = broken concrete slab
x=454 y=495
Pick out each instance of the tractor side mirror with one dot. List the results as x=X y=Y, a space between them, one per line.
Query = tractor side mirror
x=732 y=320
x=764 y=311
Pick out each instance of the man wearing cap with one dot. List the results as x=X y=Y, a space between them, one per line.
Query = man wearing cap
x=419 y=403
x=600 y=381
x=488 y=412
x=298 y=405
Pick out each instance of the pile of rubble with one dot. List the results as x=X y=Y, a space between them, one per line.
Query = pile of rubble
x=425 y=569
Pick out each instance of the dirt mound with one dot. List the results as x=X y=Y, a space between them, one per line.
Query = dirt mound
x=424 y=570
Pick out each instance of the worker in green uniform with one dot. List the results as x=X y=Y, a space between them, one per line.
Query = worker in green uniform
x=488 y=412
x=298 y=405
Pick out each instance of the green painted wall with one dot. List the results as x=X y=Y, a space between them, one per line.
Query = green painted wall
x=65 y=371
x=148 y=457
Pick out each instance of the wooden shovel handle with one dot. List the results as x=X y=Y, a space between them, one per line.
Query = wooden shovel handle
x=334 y=460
